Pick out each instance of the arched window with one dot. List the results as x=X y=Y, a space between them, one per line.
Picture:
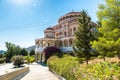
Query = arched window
x=64 y=26
x=65 y=43
x=74 y=29
x=65 y=34
x=60 y=43
x=70 y=32
x=70 y=42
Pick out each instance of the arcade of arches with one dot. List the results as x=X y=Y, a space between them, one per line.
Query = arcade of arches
x=45 y=42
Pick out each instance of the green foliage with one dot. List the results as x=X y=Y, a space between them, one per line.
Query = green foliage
x=69 y=68
x=1 y=55
x=99 y=71
x=23 y=52
x=2 y=60
x=100 y=57
x=58 y=54
x=29 y=59
x=109 y=16
x=84 y=36
x=64 y=66
x=12 y=50
x=32 y=52
x=18 y=60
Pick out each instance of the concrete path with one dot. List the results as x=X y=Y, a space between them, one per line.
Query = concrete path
x=5 y=68
x=39 y=72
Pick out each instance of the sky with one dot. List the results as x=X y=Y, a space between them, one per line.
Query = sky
x=23 y=21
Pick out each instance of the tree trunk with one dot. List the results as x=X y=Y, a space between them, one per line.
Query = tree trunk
x=119 y=56
x=41 y=57
x=86 y=60
x=104 y=57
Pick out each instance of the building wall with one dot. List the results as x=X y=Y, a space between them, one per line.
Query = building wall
x=62 y=34
x=49 y=34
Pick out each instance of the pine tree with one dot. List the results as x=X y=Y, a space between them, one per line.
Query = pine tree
x=23 y=52
x=32 y=52
x=108 y=44
x=83 y=36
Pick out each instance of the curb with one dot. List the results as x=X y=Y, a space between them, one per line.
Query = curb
x=58 y=76
x=21 y=76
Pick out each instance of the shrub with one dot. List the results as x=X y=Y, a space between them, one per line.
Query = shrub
x=81 y=60
x=110 y=54
x=99 y=71
x=29 y=59
x=48 y=51
x=69 y=68
x=18 y=60
x=58 y=54
x=64 y=66
x=100 y=56
x=1 y=55
x=2 y=60
x=92 y=58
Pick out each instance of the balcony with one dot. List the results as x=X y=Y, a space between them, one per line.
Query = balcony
x=63 y=49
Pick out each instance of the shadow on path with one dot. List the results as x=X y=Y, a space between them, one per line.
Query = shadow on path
x=14 y=67
x=42 y=63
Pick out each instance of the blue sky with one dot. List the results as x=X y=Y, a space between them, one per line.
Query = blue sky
x=22 y=21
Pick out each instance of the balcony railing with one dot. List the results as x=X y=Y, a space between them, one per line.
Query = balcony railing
x=66 y=49
x=63 y=49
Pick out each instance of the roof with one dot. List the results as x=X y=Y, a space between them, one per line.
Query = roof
x=73 y=13
x=69 y=14
x=49 y=28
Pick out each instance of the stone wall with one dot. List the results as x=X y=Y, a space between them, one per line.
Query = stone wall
x=15 y=75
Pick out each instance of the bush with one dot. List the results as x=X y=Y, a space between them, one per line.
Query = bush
x=1 y=55
x=18 y=60
x=110 y=54
x=64 y=66
x=81 y=60
x=58 y=54
x=2 y=60
x=92 y=58
x=99 y=71
x=69 y=68
x=100 y=56
x=48 y=51
x=29 y=59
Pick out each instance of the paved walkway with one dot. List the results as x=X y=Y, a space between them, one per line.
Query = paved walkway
x=39 y=72
x=5 y=68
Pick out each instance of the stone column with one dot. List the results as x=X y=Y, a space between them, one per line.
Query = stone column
x=68 y=43
x=63 y=43
x=41 y=57
x=36 y=57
